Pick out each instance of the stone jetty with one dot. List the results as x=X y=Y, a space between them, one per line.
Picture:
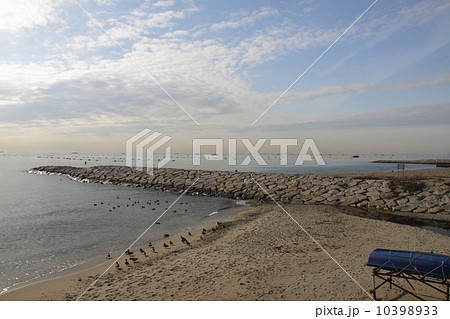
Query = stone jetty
x=417 y=196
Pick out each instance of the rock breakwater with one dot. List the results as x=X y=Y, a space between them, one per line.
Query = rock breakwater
x=417 y=196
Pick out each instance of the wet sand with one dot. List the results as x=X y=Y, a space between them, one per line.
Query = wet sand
x=261 y=255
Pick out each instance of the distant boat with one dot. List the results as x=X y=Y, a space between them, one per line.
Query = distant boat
x=355 y=156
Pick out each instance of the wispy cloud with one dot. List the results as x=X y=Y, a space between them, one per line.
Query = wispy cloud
x=428 y=82
x=380 y=26
x=246 y=20
x=408 y=16
x=164 y=3
x=398 y=116
x=326 y=91
x=272 y=42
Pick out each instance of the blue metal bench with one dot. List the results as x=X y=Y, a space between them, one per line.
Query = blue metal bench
x=430 y=269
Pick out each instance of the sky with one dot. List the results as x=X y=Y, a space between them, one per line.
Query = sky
x=87 y=75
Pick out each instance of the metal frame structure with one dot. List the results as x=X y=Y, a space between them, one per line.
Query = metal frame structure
x=387 y=277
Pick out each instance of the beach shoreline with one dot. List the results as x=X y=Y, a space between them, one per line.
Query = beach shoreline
x=69 y=287
x=27 y=291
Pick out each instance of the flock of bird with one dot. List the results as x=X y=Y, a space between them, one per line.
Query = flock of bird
x=143 y=205
x=134 y=259
x=166 y=245
x=134 y=203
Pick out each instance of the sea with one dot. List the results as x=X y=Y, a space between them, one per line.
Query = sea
x=52 y=226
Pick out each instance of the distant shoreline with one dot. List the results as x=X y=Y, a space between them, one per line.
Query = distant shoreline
x=437 y=162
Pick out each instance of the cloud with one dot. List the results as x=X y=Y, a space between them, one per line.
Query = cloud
x=398 y=116
x=204 y=75
x=164 y=3
x=138 y=24
x=326 y=91
x=210 y=89
x=245 y=21
x=381 y=26
x=89 y=43
x=90 y=88
x=106 y=2
x=272 y=42
x=436 y=80
x=18 y=15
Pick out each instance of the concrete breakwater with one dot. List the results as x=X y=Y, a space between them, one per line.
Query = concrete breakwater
x=395 y=195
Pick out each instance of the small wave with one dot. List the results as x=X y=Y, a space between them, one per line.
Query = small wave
x=59 y=269
x=6 y=289
x=213 y=213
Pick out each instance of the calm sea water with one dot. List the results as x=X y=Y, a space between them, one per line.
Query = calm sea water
x=51 y=225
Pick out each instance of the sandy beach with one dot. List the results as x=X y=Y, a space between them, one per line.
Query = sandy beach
x=261 y=255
